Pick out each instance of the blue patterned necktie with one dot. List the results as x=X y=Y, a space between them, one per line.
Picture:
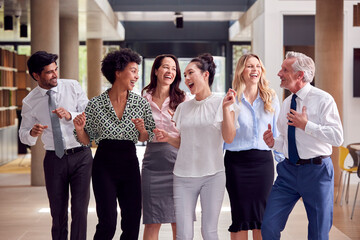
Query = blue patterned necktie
x=55 y=124
x=293 y=153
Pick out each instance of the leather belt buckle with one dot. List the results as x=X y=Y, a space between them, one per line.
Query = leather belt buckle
x=72 y=150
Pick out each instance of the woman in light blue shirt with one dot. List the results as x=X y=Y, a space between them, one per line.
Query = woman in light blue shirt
x=248 y=160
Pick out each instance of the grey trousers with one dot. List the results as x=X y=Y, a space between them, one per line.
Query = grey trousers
x=186 y=192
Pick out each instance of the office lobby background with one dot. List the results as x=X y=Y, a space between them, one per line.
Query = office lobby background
x=81 y=32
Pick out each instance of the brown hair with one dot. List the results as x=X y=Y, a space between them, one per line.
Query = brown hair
x=176 y=95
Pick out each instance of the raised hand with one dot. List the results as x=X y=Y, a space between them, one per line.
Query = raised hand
x=37 y=129
x=229 y=98
x=161 y=135
x=139 y=124
x=62 y=113
x=269 y=137
x=79 y=121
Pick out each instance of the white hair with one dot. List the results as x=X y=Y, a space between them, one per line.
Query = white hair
x=304 y=64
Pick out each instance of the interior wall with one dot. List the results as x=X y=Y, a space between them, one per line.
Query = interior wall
x=351 y=106
x=269 y=45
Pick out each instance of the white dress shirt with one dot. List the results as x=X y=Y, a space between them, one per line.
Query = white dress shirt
x=35 y=110
x=323 y=129
x=201 y=148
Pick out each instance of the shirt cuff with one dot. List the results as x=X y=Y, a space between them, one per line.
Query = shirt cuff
x=310 y=128
x=73 y=115
x=31 y=140
x=277 y=145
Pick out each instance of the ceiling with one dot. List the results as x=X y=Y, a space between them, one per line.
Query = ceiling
x=105 y=18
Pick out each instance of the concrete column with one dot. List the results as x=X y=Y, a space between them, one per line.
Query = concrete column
x=69 y=47
x=44 y=36
x=94 y=57
x=329 y=56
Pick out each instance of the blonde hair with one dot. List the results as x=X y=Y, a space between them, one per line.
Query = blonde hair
x=266 y=93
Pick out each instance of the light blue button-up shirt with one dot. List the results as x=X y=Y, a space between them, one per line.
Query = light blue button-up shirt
x=253 y=121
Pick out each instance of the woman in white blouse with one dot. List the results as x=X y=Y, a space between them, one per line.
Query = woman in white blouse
x=204 y=123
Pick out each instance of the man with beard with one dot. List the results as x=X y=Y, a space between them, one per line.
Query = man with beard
x=49 y=109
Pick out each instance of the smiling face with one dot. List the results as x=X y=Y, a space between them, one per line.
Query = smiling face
x=129 y=76
x=166 y=73
x=195 y=80
x=289 y=78
x=47 y=79
x=252 y=71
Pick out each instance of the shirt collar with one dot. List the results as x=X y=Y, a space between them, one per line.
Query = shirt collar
x=303 y=92
x=43 y=91
x=243 y=97
x=148 y=96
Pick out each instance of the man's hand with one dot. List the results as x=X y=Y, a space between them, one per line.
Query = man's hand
x=268 y=137
x=37 y=130
x=62 y=113
x=298 y=120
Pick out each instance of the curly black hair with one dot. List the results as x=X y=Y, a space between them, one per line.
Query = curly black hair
x=39 y=60
x=117 y=61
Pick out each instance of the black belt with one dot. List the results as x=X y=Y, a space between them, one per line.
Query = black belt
x=315 y=160
x=71 y=150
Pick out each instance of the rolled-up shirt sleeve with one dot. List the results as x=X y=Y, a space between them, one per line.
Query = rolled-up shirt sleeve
x=27 y=123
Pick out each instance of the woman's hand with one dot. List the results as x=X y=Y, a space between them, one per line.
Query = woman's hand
x=139 y=124
x=161 y=135
x=229 y=99
x=79 y=122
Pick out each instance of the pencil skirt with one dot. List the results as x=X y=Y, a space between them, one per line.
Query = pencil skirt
x=157 y=183
x=249 y=178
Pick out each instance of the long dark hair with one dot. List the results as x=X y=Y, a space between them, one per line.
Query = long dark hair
x=177 y=96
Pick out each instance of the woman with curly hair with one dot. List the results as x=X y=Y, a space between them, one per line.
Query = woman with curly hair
x=248 y=160
x=117 y=119
x=164 y=95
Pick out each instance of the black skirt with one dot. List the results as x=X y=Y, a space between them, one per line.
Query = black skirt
x=249 y=178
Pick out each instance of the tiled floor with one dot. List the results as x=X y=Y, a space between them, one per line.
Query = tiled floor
x=24 y=214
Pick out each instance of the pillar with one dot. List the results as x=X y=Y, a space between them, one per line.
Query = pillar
x=94 y=57
x=44 y=36
x=329 y=56
x=69 y=46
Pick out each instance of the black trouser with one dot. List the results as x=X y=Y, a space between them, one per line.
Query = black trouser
x=72 y=170
x=116 y=176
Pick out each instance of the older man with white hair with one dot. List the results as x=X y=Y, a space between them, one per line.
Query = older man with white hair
x=309 y=125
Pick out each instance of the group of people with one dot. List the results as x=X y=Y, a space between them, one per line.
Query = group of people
x=186 y=139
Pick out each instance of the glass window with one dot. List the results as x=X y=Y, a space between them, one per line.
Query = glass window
x=237 y=52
